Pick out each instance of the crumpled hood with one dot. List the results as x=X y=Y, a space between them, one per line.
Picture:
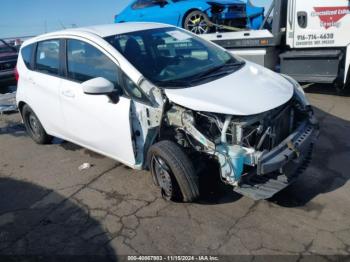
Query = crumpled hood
x=251 y=90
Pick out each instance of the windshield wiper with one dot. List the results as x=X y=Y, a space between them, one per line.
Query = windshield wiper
x=174 y=83
x=218 y=71
x=213 y=72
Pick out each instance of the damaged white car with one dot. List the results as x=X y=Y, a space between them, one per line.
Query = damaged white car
x=156 y=97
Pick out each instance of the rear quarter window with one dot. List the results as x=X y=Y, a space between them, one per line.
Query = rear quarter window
x=26 y=54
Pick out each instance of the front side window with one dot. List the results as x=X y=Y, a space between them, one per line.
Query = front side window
x=85 y=62
x=170 y=57
x=48 y=57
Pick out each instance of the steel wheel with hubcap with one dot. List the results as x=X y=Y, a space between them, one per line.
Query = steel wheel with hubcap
x=173 y=172
x=163 y=176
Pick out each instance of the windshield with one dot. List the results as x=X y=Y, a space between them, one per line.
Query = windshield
x=170 y=57
x=4 y=48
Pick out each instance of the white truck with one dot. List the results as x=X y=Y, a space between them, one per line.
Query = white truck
x=307 y=40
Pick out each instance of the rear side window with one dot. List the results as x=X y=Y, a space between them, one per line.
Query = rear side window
x=27 y=55
x=143 y=4
x=85 y=62
x=48 y=57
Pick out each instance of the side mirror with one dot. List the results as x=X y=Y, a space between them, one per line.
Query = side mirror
x=101 y=86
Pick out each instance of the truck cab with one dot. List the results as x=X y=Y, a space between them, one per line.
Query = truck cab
x=307 y=40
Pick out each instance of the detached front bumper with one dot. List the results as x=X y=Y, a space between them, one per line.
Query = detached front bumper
x=280 y=167
x=291 y=151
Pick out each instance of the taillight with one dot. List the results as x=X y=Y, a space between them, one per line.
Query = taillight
x=16 y=74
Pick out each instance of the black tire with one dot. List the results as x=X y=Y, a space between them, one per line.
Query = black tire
x=197 y=22
x=183 y=182
x=33 y=126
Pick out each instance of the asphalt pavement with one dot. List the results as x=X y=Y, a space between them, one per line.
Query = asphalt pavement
x=48 y=206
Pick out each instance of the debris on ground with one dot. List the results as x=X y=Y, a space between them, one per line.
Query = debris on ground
x=8 y=102
x=84 y=166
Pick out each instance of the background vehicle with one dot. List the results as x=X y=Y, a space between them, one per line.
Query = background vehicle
x=157 y=97
x=307 y=40
x=8 y=60
x=194 y=15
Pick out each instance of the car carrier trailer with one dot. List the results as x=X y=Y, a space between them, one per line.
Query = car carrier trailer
x=307 y=40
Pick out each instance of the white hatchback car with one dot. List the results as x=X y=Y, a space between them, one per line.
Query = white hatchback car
x=157 y=97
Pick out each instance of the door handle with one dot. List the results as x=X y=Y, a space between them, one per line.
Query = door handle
x=68 y=93
x=302 y=19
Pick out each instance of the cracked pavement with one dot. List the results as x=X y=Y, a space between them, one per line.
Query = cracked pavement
x=48 y=206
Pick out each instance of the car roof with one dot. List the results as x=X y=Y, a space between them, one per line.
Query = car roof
x=109 y=29
x=99 y=30
x=121 y=28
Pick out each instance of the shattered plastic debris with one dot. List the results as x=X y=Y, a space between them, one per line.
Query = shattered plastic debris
x=7 y=108
x=84 y=166
x=8 y=102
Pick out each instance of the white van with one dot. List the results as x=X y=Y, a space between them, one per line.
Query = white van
x=157 y=97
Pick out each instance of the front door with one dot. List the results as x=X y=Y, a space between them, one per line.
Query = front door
x=93 y=121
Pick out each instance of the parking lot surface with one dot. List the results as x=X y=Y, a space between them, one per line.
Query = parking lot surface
x=48 y=206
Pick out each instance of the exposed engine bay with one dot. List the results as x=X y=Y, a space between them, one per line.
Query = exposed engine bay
x=270 y=146
x=238 y=143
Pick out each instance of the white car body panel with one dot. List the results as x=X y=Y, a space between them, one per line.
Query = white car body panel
x=251 y=90
x=41 y=96
x=94 y=122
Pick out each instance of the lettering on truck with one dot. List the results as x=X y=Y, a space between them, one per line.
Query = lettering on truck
x=329 y=17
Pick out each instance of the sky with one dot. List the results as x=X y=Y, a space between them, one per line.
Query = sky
x=33 y=17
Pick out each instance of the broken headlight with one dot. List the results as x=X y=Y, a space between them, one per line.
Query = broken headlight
x=299 y=93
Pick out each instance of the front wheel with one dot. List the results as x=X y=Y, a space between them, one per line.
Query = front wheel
x=173 y=172
x=197 y=22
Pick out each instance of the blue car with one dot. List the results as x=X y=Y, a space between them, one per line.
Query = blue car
x=197 y=16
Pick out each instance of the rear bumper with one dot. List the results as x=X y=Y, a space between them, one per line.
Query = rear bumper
x=289 y=155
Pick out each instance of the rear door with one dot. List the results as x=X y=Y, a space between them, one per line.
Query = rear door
x=43 y=83
x=93 y=121
x=320 y=23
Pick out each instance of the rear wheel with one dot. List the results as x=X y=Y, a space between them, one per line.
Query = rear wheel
x=197 y=22
x=173 y=172
x=34 y=127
